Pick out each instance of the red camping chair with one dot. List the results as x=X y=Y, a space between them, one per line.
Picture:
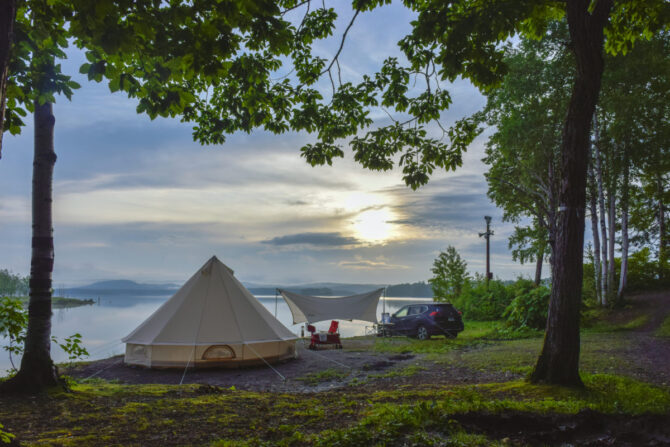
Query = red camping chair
x=332 y=337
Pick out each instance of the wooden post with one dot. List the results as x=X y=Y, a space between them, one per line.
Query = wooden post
x=487 y=235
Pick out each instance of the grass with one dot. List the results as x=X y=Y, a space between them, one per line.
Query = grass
x=203 y=415
x=327 y=375
x=475 y=333
x=608 y=320
x=664 y=329
x=407 y=371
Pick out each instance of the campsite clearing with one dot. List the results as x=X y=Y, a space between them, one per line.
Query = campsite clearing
x=398 y=391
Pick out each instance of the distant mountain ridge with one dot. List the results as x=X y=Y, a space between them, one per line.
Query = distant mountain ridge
x=125 y=285
x=418 y=289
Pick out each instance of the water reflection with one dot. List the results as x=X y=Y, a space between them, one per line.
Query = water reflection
x=112 y=317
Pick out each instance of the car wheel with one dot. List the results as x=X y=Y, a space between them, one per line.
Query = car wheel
x=422 y=333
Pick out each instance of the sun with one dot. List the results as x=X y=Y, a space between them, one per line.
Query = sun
x=374 y=226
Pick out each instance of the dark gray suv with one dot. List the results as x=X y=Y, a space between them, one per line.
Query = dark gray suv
x=426 y=319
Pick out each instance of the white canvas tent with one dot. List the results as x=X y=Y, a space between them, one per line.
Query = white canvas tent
x=311 y=309
x=213 y=320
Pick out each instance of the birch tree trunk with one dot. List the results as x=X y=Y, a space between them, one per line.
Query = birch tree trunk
x=662 y=239
x=559 y=360
x=594 y=231
x=37 y=370
x=538 y=267
x=601 y=206
x=623 y=274
x=611 y=219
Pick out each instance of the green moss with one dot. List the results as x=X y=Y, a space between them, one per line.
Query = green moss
x=327 y=375
x=664 y=328
x=600 y=321
x=429 y=420
x=407 y=371
x=406 y=415
x=514 y=356
x=635 y=323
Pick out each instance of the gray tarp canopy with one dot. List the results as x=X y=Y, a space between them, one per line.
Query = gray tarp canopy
x=311 y=309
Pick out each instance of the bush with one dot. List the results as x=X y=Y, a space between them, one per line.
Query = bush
x=589 y=296
x=478 y=303
x=13 y=326
x=451 y=275
x=529 y=306
x=643 y=272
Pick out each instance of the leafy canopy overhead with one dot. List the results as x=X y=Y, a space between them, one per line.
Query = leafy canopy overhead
x=247 y=64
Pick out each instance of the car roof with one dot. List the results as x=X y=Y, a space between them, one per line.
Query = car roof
x=428 y=304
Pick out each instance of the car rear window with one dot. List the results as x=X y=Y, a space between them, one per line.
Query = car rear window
x=446 y=308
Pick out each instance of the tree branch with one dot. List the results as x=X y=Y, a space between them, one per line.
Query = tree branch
x=344 y=37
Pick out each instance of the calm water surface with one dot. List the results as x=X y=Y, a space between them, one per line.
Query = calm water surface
x=104 y=324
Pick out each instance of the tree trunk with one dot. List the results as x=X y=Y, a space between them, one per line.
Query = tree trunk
x=662 y=240
x=623 y=274
x=601 y=205
x=611 y=219
x=559 y=361
x=594 y=231
x=538 y=266
x=38 y=371
x=7 y=18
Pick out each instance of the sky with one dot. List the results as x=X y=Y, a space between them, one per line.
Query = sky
x=138 y=199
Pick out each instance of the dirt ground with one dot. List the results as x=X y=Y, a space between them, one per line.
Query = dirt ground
x=351 y=365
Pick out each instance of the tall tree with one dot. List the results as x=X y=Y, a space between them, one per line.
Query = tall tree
x=7 y=18
x=450 y=273
x=593 y=208
x=527 y=110
x=464 y=37
x=34 y=80
x=635 y=87
x=42 y=31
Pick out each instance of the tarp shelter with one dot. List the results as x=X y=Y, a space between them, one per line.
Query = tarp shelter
x=311 y=309
x=213 y=320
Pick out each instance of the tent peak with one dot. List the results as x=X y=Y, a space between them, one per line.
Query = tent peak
x=207 y=268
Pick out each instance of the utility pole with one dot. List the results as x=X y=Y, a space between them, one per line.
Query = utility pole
x=487 y=235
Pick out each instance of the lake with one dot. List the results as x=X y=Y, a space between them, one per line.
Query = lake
x=104 y=324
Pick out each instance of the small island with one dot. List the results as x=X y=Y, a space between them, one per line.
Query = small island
x=60 y=302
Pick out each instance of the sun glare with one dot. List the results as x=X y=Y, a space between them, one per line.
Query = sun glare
x=374 y=225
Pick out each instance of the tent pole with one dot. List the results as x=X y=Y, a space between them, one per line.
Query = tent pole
x=276 y=290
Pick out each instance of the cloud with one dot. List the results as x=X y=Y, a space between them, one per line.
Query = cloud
x=452 y=203
x=317 y=239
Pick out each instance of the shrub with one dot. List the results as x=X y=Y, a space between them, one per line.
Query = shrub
x=529 y=307
x=479 y=303
x=451 y=275
x=642 y=271
x=13 y=326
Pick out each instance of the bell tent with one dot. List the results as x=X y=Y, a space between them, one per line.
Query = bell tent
x=213 y=320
